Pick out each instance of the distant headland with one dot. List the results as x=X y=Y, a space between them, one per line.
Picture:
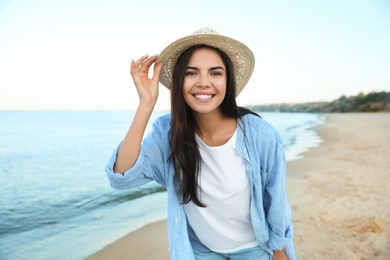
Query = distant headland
x=371 y=102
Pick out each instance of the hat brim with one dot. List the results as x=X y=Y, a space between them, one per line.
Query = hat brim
x=241 y=56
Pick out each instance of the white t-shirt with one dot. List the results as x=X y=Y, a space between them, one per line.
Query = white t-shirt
x=225 y=224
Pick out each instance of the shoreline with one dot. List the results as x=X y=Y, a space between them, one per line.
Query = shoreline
x=338 y=193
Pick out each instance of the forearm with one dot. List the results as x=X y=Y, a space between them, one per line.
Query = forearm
x=131 y=145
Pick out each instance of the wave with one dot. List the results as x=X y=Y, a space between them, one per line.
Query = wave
x=42 y=213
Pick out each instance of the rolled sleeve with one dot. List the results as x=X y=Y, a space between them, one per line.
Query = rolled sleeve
x=277 y=242
x=133 y=177
x=152 y=162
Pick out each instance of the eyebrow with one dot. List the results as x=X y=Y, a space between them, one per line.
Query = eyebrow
x=212 y=68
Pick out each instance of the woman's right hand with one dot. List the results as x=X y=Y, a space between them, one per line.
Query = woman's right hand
x=147 y=88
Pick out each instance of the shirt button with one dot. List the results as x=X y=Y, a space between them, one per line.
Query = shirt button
x=176 y=220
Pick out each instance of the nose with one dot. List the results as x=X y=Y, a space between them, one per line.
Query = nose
x=203 y=81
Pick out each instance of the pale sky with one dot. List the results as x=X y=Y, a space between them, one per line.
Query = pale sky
x=75 y=55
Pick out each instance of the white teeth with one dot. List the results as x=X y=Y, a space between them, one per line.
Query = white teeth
x=203 y=96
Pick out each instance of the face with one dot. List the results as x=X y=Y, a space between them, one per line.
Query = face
x=204 y=86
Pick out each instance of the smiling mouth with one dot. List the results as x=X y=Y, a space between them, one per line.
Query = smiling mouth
x=203 y=96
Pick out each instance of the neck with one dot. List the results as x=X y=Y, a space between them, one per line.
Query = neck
x=215 y=129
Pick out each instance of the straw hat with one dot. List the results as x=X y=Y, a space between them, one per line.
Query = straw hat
x=241 y=56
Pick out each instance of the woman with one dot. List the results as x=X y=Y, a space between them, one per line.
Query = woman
x=223 y=166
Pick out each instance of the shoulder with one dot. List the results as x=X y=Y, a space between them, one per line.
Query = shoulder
x=255 y=126
x=162 y=125
x=257 y=122
x=157 y=131
x=164 y=120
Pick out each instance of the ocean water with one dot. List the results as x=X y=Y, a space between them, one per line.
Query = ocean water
x=55 y=200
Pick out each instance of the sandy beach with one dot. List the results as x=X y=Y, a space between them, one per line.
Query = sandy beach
x=339 y=193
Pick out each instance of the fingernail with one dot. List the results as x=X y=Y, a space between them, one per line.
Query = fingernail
x=154 y=54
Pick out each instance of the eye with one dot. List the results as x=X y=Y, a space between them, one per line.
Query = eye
x=216 y=73
x=191 y=73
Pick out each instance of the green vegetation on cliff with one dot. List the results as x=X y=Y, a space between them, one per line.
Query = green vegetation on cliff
x=371 y=102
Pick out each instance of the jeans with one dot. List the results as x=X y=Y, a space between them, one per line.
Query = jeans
x=202 y=252
x=253 y=253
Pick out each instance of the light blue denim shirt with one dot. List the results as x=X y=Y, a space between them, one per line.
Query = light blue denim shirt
x=261 y=146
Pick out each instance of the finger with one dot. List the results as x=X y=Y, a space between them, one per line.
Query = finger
x=141 y=60
x=133 y=67
x=157 y=71
x=138 y=63
x=132 y=64
x=149 y=61
x=134 y=71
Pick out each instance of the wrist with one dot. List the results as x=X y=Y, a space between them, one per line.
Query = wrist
x=280 y=255
x=147 y=104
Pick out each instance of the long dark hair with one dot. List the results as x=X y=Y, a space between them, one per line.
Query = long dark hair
x=185 y=154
